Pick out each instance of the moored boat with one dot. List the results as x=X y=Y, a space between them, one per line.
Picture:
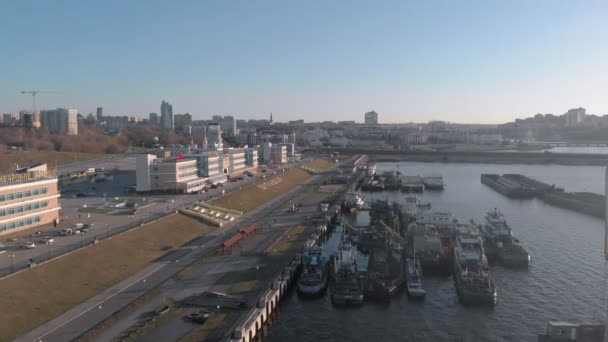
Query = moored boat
x=500 y=244
x=345 y=285
x=314 y=277
x=414 y=278
x=472 y=277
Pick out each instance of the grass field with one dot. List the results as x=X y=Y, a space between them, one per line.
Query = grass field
x=27 y=158
x=321 y=164
x=33 y=297
x=255 y=195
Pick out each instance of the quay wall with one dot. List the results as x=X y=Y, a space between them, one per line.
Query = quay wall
x=487 y=157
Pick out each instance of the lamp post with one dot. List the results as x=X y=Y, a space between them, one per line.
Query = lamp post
x=11 y=257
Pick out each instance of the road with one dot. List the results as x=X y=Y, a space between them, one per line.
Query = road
x=15 y=257
x=81 y=318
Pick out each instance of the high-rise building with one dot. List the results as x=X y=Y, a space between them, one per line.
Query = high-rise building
x=214 y=135
x=181 y=121
x=371 y=118
x=575 y=116
x=227 y=124
x=154 y=119
x=60 y=121
x=166 y=116
x=99 y=114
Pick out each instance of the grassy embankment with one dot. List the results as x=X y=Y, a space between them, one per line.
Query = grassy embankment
x=252 y=196
x=35 y=296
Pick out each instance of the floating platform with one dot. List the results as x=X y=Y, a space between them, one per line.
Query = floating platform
x=412 y=184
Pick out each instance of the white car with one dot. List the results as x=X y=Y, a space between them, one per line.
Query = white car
x=29 y=245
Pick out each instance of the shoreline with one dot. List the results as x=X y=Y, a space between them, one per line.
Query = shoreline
x=491 y=157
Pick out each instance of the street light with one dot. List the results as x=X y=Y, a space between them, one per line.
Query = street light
x=11 y=257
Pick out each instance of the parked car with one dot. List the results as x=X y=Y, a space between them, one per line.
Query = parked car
x=47 y=240
x=66 y=231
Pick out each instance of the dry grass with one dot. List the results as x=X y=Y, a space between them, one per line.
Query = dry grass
x=27 y=158
x=320 y=164
x=201 y=334
x=253 y=196
x=242 y=287
x=289 y=241
x=94 y=333
x=33 y=297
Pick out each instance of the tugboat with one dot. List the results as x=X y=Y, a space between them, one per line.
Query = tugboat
x=314 y=277
x=500 y=244
x=414 y=278
x=345 y=285
x=472 y=277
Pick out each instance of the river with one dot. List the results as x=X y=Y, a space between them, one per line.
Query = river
x=567 y=279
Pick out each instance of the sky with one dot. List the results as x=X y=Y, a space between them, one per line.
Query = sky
x=485 y=61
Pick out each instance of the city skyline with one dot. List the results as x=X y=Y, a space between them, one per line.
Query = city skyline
x=465 y=63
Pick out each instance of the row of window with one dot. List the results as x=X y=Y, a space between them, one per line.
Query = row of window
x=188 y=174
x=13 y=225
x=23 y=194
x=186 y=167
x=23 y=208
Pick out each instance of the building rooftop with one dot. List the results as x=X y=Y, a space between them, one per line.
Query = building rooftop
x=28 y=175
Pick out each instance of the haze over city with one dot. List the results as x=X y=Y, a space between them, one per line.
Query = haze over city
x=473 y=61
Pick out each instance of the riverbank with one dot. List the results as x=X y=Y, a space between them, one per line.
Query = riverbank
x=545 y=158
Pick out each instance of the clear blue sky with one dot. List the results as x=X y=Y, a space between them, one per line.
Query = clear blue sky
x=462 y=61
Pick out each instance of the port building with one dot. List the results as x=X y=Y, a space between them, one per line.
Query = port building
x=28 y=198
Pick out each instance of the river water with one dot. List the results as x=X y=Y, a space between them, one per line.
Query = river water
x=567 y=279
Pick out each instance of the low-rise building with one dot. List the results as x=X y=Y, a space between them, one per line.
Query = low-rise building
x=173 y=174
x=28 y=198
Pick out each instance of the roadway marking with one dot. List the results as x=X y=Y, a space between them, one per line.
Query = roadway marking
x=98 y=305
x=270 y=183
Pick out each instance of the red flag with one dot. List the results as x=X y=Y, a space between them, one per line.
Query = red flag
x=180 y=156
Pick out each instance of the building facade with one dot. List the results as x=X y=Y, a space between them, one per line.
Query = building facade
x=60 y=121
x=153 y=118
x=28 y=198
x=173 y=174
x=181 y=122
x=99 y=114
x=166 y=116
x=214 y=135
x=371 y=118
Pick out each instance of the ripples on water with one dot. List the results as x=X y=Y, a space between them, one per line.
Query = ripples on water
x=567 y=279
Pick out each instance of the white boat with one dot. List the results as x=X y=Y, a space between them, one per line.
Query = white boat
x=473 y=279
x=314 y=276
x=414 y=278
x=346 y=288
x=354 y=200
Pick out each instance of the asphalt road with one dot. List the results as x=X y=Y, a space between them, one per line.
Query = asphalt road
x=81 y=318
